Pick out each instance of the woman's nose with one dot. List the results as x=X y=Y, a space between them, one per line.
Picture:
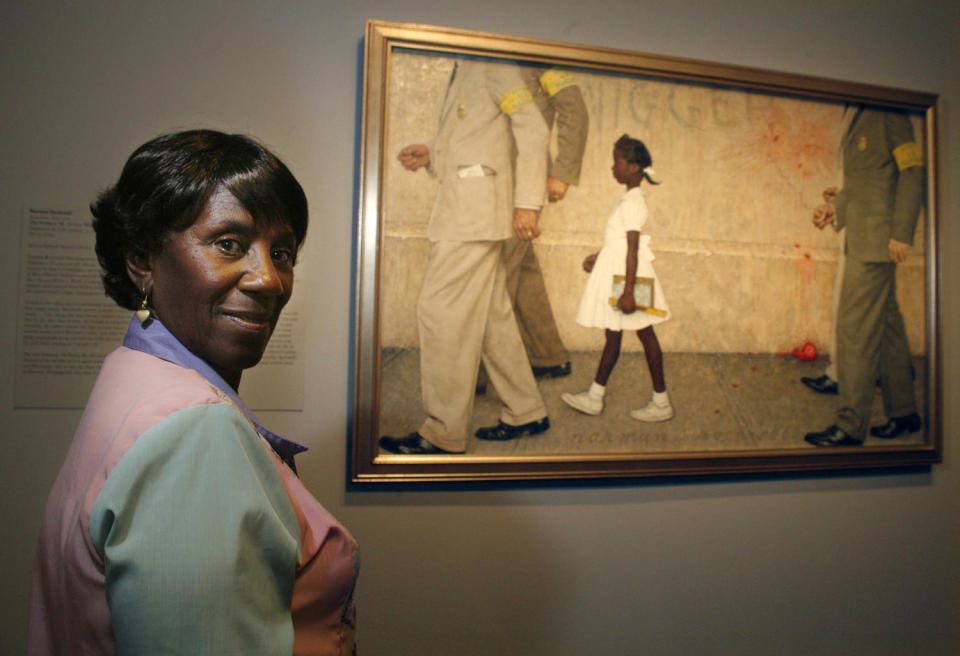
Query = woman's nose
x=262 y=275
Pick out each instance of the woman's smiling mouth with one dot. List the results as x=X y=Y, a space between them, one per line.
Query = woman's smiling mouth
x=251 y=320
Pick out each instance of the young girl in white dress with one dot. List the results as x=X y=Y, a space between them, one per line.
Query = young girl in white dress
x=624 y=253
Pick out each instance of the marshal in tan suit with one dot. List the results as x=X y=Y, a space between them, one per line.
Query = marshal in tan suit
x=463 y=312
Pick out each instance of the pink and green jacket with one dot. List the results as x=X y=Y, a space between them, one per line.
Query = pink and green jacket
x=176 y=527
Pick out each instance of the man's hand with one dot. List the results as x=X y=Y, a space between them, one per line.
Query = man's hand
x=556 y=189
x=525 y=224
x=414 y=156
x=898 y=250
x=589 y=261
x=824 y=215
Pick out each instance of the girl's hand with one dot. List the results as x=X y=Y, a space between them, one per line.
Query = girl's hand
x=627 y=303
x=589 y=261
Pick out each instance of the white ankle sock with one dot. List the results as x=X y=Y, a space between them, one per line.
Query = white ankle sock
x=597 y=390
x=661 y=399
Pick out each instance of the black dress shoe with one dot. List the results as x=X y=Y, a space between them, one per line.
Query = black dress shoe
x=897 y=426
x=411 y=445
x=556 y=371
x=821 y=385
x=502 y=432
x=833 y=436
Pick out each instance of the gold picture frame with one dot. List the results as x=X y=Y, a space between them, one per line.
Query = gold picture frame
x=743 y=153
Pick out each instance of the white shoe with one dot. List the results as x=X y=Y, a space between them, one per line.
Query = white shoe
x=584 y=402
x=653 y=412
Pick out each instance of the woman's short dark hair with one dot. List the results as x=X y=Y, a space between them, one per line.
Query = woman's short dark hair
x=165 y=185
x=635 y=152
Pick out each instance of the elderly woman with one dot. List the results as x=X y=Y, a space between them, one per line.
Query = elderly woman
x=177 y=524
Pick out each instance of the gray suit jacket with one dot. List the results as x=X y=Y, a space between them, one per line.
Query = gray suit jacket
x=487 y=112
x=557 y=95
x=883 y=186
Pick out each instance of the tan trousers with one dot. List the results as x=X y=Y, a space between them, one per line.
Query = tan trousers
x=465 y=315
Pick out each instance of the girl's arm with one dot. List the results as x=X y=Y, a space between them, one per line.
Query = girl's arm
x=627 y=303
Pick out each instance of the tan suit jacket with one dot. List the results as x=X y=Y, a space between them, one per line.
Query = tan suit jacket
x=483 y=117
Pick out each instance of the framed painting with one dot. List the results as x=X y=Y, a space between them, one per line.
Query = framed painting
x=753 y=230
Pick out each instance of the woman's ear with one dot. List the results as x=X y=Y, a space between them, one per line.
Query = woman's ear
x=140 y=271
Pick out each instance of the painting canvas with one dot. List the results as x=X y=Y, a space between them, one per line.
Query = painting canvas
x=743 y=159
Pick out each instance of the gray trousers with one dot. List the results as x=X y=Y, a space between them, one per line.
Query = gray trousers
x=872 y=341
x=525 y=286
x=831 y=370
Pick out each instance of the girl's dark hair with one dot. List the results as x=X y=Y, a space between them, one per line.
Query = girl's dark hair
x=635 y=152
x=165 y=185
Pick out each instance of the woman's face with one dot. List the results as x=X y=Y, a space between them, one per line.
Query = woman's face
x=219 y=285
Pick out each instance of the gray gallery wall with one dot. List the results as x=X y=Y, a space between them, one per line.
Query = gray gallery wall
x=843 y=564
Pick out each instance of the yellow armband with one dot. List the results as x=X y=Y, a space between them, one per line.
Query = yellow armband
x=556 y=80
x=908 y=155
x=515 y=100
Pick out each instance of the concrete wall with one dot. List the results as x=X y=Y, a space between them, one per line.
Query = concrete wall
x=829 y=564
x=742 y=267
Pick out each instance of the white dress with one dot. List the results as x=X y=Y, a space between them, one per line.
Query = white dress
x=595 y=308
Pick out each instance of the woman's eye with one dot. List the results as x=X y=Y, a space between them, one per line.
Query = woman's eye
x=282 y=255
x=231 y=246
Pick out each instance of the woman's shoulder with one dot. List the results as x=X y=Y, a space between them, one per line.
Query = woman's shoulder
x=153 y=379
x=153 y=408
x=136 y=390
x=134 y=393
